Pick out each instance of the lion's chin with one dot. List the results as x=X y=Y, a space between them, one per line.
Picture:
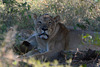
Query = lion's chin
x=45 y=37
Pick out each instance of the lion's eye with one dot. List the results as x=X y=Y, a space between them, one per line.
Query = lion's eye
x=39 y=22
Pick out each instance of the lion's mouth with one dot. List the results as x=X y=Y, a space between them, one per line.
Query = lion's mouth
x=44 y=36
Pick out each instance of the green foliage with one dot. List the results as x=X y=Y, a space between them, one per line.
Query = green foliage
x=92 y=40
x=70 y=12
x=84 y=65
x=81 y=26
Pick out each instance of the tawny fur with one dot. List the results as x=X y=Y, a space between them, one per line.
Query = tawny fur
x=60 y=38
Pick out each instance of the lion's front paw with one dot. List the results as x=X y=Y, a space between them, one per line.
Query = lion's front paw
x=20 y=56
x=39 y=57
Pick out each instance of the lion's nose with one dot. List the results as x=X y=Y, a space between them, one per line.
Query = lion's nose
x=44 y=28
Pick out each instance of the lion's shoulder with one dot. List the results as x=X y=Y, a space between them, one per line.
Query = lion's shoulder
x=63 y=28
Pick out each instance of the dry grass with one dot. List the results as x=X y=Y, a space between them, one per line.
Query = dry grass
x=84 y=14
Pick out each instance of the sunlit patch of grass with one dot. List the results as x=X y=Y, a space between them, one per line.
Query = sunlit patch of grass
x=37 y=63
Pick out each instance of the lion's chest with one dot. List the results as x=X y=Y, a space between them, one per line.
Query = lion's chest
x=43 y=46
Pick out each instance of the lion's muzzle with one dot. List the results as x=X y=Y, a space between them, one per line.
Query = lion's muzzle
x=44 y=36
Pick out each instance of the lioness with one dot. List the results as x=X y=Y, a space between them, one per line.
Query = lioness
x=51 y=37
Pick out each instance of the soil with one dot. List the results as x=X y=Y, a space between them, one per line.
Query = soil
x=89 y=58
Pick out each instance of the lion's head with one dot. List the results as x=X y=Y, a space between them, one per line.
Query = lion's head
x=45 y=25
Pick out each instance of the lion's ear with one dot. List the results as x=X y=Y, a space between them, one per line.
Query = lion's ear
x=57 y=18
x=34 y=16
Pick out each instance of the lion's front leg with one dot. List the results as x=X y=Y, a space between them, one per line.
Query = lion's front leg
x=30 y=53
x=51 y=54
x=47 y=56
